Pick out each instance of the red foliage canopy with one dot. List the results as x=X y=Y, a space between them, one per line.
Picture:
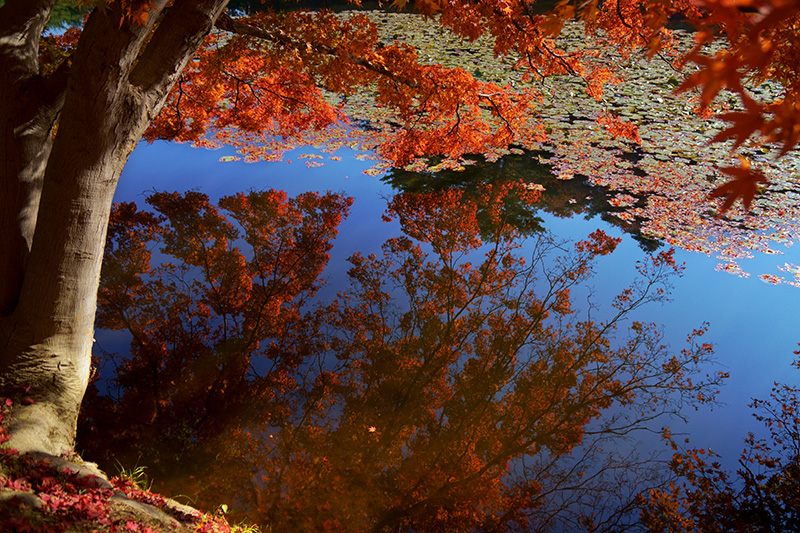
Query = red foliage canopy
x=266 y=79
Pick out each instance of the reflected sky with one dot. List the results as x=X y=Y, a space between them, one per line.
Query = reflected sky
x=753 y=325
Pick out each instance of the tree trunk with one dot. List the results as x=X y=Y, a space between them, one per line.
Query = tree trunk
x=119 y=76
x=28 y=110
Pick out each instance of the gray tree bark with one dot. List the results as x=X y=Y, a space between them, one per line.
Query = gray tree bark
x=58 y=189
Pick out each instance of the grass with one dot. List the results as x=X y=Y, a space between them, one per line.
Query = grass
x=136 y=475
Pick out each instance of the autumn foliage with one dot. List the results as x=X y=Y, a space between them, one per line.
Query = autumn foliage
x=451 y=387
x=69 y=499
x=430 y=110
x=277 y=79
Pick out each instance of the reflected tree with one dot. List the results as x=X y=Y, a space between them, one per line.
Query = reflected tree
x=451 y=387
x=561 y=198
x=472 y=181
x=763 y=495
x=203 y=322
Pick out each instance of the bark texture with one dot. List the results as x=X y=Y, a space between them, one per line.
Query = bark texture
x=111 y=89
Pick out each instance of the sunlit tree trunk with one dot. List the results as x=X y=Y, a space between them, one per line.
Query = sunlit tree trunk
x=118 y=78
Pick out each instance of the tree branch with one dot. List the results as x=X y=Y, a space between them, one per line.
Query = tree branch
x=179 y=33
x=226 y=23
x=21 y=25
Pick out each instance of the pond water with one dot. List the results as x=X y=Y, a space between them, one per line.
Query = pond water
x=753 y=325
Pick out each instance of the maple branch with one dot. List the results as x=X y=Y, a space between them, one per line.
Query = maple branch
x=418 y=115
x=561 y=60
x=622 y=18
x=526 y=6
x=254 y=86
x=457 y=122
x=532 y=18
x=643 y=38
x=753 y=481
x=181 y=94
x=533 y=66
x=179 y=117
x=236 y=99
x=226 y=23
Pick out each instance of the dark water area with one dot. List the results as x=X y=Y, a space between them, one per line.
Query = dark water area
x=360 y=436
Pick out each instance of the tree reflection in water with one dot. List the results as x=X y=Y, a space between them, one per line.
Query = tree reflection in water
x=451 y=387
x=561 y=198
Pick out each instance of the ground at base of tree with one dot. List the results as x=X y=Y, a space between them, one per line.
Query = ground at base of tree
x=40 y=493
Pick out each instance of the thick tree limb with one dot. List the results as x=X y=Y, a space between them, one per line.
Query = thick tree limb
x=177 y=37
x=28 y=108
x=21 y=25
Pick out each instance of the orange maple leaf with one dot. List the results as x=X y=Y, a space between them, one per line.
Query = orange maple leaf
x=744 y=185
x=744 y=123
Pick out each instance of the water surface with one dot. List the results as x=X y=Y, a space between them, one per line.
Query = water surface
x=752 y=324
